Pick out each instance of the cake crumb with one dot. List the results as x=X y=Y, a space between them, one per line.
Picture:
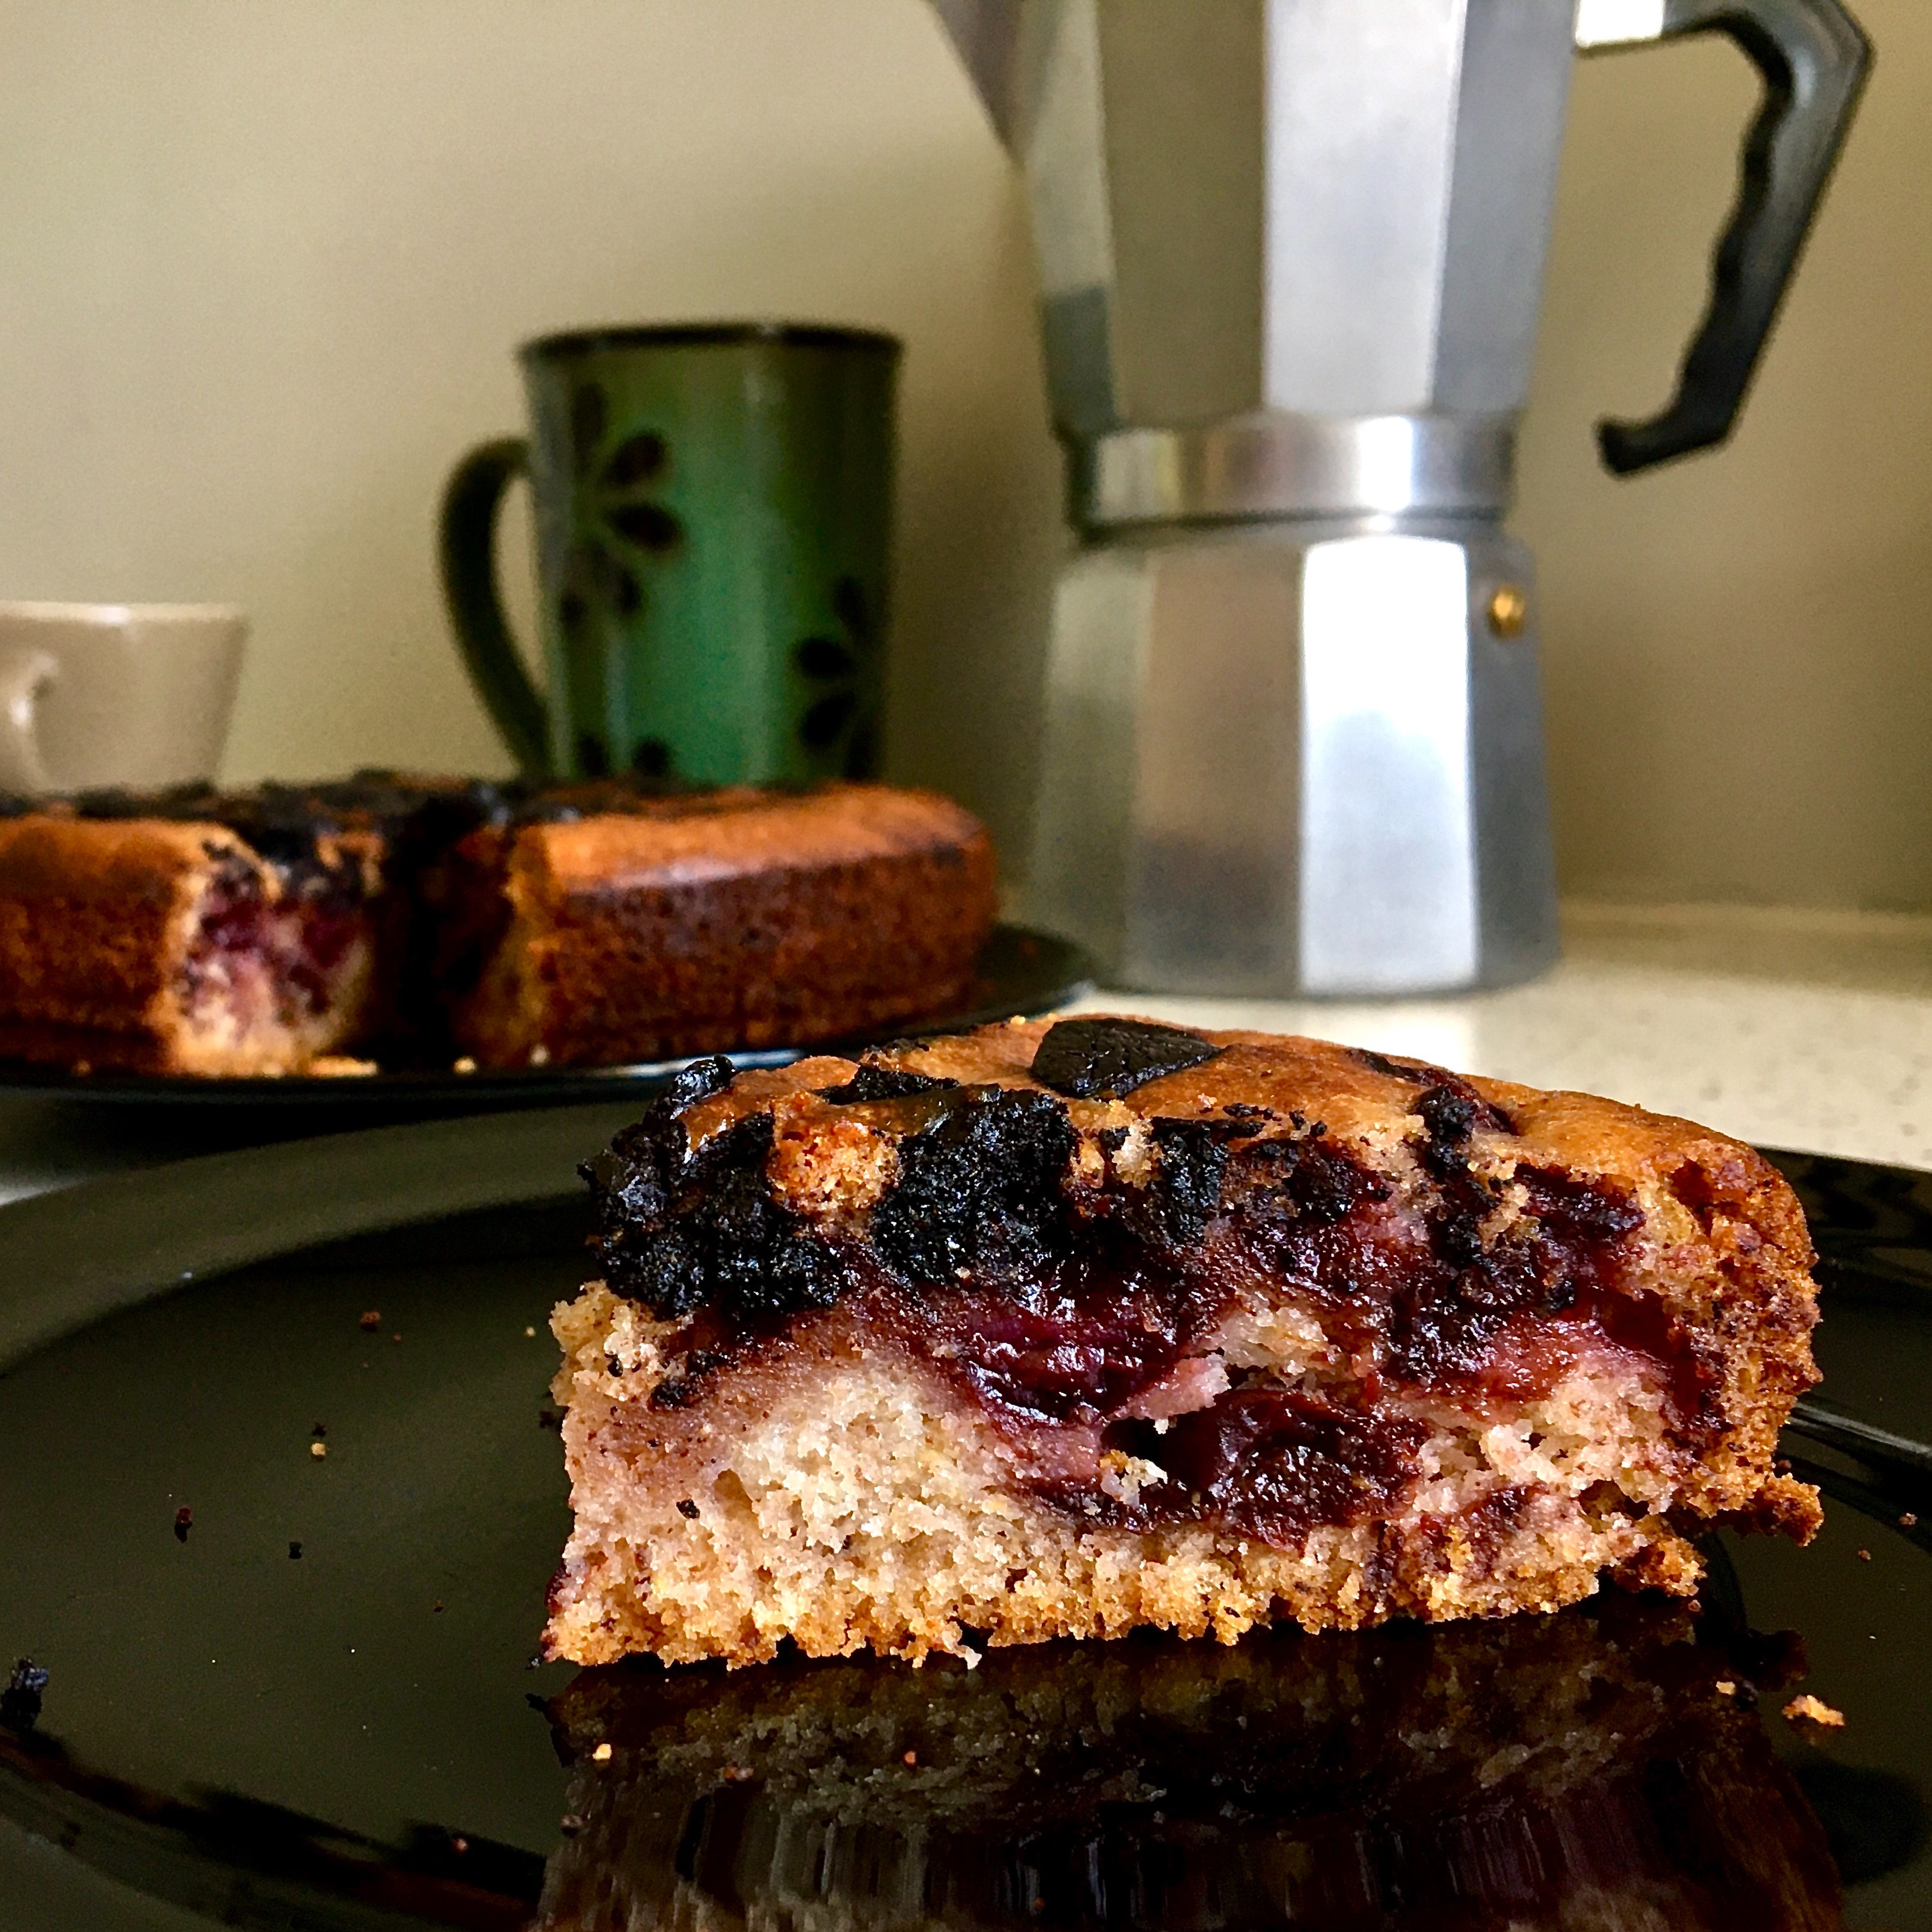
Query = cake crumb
x=436 y=1609
x=342 y=1067
x=1908 y=1521
x=911 y=1759
x=570 y=1824
x=318 y=1449
x=1865 y=1555
x=1811 y=1710
x=1726 y=1687
x=464 y=1065
x=601 y=1754
x=540 y=1055
x=372 y=1318
x=528 y=1332
x=459 y=1846
x=184 y=1523
x=20 y=1700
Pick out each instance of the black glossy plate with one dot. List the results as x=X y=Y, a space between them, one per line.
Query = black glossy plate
x=1019 y=971
x=356 y=1736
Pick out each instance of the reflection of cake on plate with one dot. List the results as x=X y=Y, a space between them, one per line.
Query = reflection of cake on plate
x=1585 y=1771
x=1045 y=1331
x=253 y=932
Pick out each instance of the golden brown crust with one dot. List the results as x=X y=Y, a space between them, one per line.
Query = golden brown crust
x=759 y=920
x=95 y=918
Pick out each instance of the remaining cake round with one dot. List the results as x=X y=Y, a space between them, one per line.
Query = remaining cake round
x=255 y=932
x=1056 y=1330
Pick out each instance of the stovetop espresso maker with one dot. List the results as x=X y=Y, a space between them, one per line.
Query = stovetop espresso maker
x=1290 y=256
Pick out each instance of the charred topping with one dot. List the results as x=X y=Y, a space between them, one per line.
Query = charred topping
x=998 y=1241
x=1107 y=1059
x=1440 y=1084
x=1185 y=1193
x=875 y=1082
x=979 y=1189
x=678 y=1228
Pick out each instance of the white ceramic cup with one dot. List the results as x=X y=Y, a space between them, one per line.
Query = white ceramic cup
x=99 y=695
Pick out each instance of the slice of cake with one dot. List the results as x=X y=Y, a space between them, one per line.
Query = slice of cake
x=598 y=925
x=1051 y=1331
x=254 y=931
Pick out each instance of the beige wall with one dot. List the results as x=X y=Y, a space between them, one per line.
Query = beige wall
x=262 y=264
x=1740 y=647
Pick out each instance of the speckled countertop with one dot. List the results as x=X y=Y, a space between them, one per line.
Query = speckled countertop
x=1792 y=1030
x=1805 y=1030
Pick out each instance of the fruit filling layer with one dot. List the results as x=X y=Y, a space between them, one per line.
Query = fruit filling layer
x=1232 y=1318
x=273 y=951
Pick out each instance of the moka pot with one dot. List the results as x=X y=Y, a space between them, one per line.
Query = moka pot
x=1290 y=256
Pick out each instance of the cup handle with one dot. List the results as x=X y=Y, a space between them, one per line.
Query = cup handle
x=25 y=676
x=467 y=547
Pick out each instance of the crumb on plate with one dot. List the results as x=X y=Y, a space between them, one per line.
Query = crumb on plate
x=1810 y=1710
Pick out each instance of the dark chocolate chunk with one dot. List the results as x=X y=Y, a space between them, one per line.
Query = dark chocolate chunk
x=688 y=1510
x=873 y=1082
x=1107 y=1059
x=978 y=1189
x=20 y=1701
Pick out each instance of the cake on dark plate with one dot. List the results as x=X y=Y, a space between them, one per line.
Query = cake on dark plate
x=1057 y=1330
x=261 y=931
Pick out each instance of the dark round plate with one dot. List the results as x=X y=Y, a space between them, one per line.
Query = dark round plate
x=1019 y=971
x=356 y=1736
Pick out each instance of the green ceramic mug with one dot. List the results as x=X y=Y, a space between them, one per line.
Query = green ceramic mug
x=713 y=513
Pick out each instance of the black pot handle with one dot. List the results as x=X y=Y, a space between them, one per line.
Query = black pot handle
x=1813 y=60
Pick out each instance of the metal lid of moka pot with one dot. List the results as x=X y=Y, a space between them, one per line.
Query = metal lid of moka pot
x=1274 y=464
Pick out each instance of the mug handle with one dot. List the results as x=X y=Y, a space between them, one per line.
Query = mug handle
x=467 y=548
x=25 y=677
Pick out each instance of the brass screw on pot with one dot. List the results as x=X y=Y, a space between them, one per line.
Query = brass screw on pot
x=1509 y=610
